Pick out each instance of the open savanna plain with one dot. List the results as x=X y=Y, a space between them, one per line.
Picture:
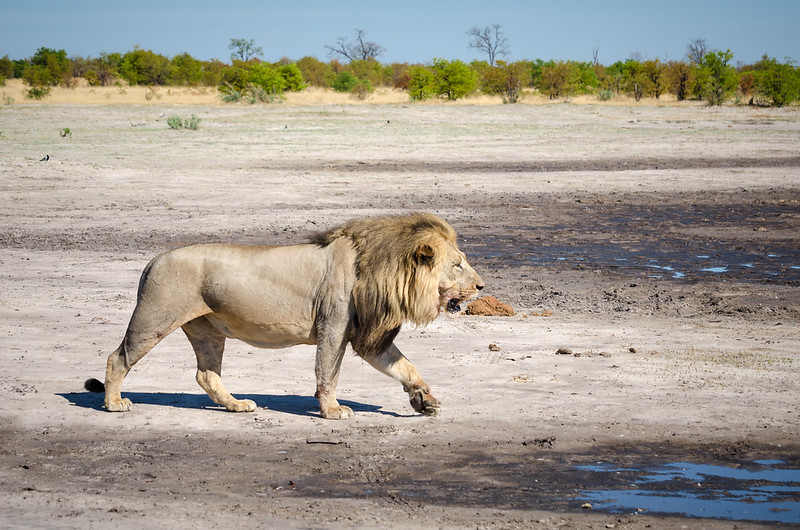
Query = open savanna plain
x=655 y=248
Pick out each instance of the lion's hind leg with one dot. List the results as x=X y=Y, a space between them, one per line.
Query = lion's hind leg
x=116 y=370
x=208 y=344
x=146 y=329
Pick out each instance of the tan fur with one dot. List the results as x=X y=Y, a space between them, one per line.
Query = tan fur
x=357 y=284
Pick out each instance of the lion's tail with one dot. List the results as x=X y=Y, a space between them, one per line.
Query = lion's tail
x=93 y=385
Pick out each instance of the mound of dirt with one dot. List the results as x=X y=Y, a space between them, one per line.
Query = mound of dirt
x=490 y=306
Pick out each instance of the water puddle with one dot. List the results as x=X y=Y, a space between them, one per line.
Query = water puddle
x=648 y=260
x=765 y=491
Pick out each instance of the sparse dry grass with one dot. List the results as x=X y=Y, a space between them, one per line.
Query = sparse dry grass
x=14 y=92
x=716 y=368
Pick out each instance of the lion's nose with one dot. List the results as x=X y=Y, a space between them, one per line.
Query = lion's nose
x=479 y=286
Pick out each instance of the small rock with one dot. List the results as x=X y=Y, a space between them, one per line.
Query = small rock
x=586 y=506
x=564 y=351
x=494 y=347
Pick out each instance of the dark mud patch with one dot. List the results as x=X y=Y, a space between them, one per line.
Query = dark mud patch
x=542 y=166
x=367 y=464
x=732 y=253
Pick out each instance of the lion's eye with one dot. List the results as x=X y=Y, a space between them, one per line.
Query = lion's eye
x=457 y=265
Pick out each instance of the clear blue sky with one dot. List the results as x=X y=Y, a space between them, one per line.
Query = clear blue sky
x=410 y=30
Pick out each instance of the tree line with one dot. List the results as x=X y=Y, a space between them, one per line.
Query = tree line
x=353 y=67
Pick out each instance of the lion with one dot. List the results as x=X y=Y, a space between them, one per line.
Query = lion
x=355 y=284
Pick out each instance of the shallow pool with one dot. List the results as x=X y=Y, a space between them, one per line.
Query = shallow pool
x=764 y=490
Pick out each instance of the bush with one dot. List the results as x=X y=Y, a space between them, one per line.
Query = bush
x=143 y=67
x=717 y=80
x=48 y=67
x=362 y=89
x=605 y=95
x=421 y=83
x=257 y=82
x=558 y=79
x=38 y=92
x=774 y=83
x=267 y=78
x=344 y=82
x=680 y=76
x=315 y=71
x=505 y=79
x=176 y=122
x=292 y=77
x=454 y=79
x=185 y=70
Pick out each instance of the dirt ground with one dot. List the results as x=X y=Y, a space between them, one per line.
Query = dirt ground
x=662 y=241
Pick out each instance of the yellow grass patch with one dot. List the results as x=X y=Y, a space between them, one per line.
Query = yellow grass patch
x=14 y=92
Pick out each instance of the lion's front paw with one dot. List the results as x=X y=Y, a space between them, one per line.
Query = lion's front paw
x=340 y=412
x=242 y=405
x=424 y=403
x=119 y=405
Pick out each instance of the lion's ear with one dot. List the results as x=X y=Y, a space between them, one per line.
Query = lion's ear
x=424 y=255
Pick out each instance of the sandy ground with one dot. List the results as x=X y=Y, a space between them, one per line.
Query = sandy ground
x=664 y=240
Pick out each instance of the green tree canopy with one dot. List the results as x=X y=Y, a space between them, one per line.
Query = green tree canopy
x=454 y=79
x=775 y=83
x=144 y=67
x=48 y=67
x=717 y=80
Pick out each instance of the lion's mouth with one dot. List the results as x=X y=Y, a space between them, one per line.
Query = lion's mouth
x=453 y=305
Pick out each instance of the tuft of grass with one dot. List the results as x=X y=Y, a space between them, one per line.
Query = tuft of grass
x=192 y=123
x=605 y=95
x=176 y=122
x=65 y=132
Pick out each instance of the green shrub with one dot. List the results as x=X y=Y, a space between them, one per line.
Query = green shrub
x=229 y=94
x=38 y=92
x=362 y=89
x=774 y=83
x=605 y=95
x=454 y=79
x=143 y=67
x=192 y=123
x=315 y=71
x=267 y=78
x=421 y=83
x=292 y=77
x=717 y=80
x=176 y=122
x=504 y=79
x=344 y=82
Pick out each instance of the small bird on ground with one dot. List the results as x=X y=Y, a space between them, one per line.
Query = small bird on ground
x=45 y=159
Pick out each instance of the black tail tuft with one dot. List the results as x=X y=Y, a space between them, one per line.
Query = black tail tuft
x=93 y=385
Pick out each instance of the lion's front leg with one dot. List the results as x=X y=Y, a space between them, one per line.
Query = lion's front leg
x=328 y=364
x=394 y=364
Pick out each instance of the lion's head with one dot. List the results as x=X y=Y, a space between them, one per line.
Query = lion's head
x=409 y=268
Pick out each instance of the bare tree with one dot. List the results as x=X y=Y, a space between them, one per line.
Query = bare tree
x=243 y=49
x=491 y=40
x=359 y=49
x=595 y=52
x=696 y=50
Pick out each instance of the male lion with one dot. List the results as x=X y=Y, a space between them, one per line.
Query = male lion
x=356 y=284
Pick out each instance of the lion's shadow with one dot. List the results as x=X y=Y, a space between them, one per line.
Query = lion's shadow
x=286 y=403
